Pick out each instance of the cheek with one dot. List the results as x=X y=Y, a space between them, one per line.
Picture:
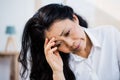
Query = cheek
x=79 y=33
x=76 y=34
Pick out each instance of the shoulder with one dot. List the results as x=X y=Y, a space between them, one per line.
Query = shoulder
x=104 y=30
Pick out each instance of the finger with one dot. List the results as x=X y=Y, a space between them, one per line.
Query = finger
x=48 y=47
x=51 y=52
x=52 y=40
x=54 y=49
x=46 y=42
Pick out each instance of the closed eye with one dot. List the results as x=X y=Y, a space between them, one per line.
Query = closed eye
x=66 y=34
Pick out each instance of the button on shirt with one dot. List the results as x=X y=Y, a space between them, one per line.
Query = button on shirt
x=103 y=62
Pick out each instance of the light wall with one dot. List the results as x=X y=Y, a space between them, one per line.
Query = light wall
x=98 y=12
x=107 y=12
x=16 y=13
x=40 y=3
x=95 y=12
x=12 y=12
x=111 y=7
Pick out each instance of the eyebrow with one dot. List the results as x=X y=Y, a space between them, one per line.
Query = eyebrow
x=62 y=32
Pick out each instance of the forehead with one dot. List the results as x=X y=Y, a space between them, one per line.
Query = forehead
x=57 y=28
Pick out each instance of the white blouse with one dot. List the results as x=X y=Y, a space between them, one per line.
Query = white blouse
x=103 y=62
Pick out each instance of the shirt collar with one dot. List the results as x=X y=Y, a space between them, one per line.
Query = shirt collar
x=94 y=40
x=74 y=57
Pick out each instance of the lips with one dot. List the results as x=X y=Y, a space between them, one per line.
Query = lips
x=78 y=46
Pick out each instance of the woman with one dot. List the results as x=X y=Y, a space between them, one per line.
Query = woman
x=61 y=47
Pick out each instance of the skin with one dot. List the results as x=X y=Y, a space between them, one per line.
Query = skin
x=66 y=36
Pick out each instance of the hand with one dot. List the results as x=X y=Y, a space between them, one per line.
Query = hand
x=52 y=56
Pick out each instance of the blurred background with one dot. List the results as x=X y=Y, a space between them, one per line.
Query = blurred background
x=15 y=13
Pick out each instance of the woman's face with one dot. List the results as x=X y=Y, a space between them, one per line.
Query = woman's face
x=69 y=35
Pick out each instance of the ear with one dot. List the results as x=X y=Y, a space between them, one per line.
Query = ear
x=75 y=19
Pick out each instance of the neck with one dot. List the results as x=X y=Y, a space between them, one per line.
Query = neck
x=85 y=53
x=88 y=46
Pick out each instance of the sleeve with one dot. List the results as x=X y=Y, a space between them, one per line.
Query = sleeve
x=117 y=35
x=113 y=31
x=119 y=49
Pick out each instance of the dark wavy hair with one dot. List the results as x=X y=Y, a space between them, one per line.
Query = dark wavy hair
x=33 y=42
